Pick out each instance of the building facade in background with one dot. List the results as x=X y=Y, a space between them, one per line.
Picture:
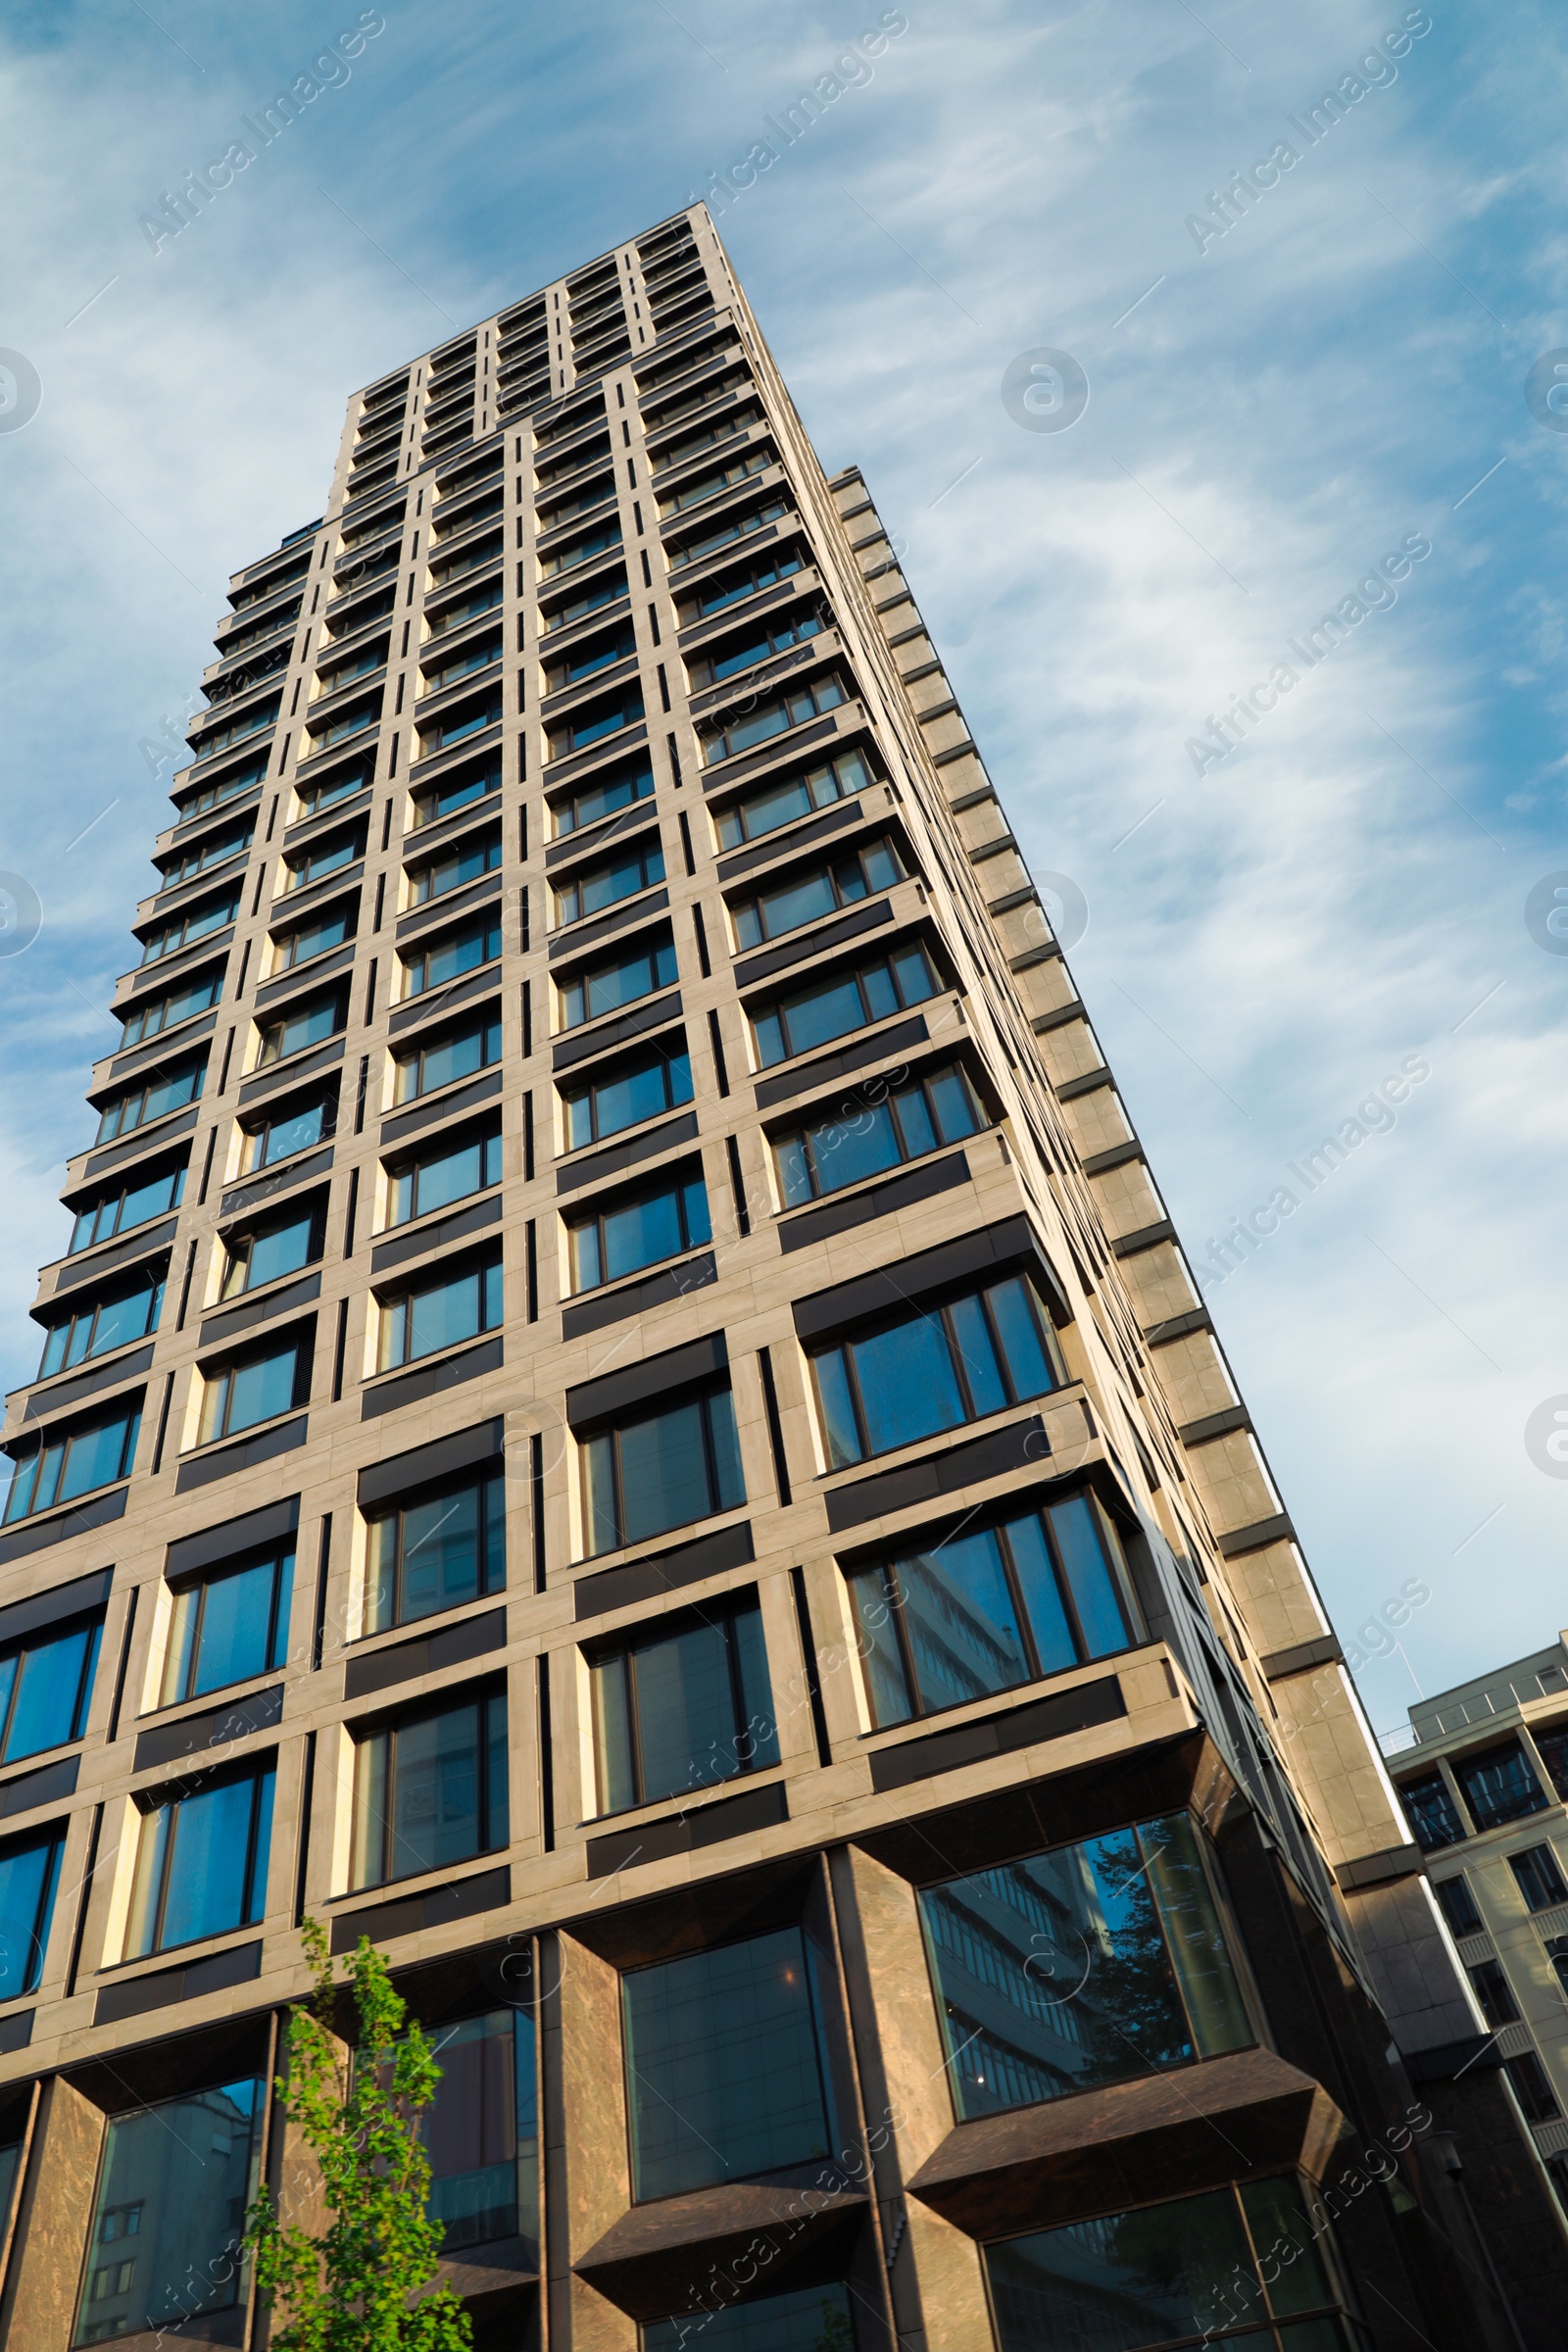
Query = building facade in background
x=1483 y=1778
x=622 y=1416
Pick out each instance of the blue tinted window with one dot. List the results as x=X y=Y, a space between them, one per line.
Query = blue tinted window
x=230 y=1626
x=29 y=1876
x=662 y=1469
x=927 y=1371
x=436 y=1551
x=201 y=1863
x=628 y=1093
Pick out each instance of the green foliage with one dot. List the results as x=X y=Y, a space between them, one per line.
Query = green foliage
x=355 y=2287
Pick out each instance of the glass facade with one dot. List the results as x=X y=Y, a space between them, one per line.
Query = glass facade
x=683 y=1706
x=917 y=1374
x=617 y=980
x=444 y=1172
x=429 y=1789
x=724 y=2074
x=1090 y=1964
x=227 y=1626
x=455 y=1054
x=46 y=1688
x=1190 y=2272
x=439 y=1311
x=627 y=1234
x=865 y=1136
x=435 y=1551
x=815 y=2319
x=173 y=2184
x=991 y=1608
x=74 y=1461
x=481 y=2130
x=254 y=1388
x=29 y=1875
x=662 y=1469
x=280 y=1244
x=837 y=1003
x=201 y=1861
x=625 y=1092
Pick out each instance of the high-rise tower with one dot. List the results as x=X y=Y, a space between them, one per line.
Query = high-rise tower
x=622 y=1416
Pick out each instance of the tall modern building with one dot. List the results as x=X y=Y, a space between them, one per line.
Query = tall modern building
x=622 y=1416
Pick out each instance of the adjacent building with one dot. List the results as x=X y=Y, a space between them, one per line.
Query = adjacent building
x=1483 y=1778
x=621 y=1414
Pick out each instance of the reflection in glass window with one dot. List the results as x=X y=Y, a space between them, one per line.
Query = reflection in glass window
x=683 y=1706
x=838 y=1001
x=182 y=930
x=813 y=2319
x=1499 y=1786
x=302 y=1026
x=608 y=880
x=1433 y=1815
x=612 y=788
x=440 y=1311
x=74 y=1461
x=458 y=792
x=661 y=1469
x=201 y=1860
x=107 y=1320
x=443 y=1172
x=139 y=1106
x=1457 y=1905
x=781 y=799
x=641 y=1230
x=280 y=1244
x=29 y=1872
x=791 y=709
x=481 y=2130
x=1086 y=1965
x=457 y=1052
x=430 y=1788
x=135 y=1203
x=323 y=931
x=169 y=2212
x=617 y=979
x=227 y=1626
x=622 y=1093
x=455 y=953
x=1538 y=1877
x=292 y=1128
x=10 y=2164
x=806 y=897
x=435 y=1551
x=152 y=1016
x=256 y=1386
x=46 y=1688
x=992 y=1607
x=864 y=1137
x=724 y=2074
x=1167 y=2273
x=929 y=1371
x=465 y=861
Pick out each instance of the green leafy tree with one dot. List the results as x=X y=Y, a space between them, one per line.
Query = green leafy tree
x=364 y=2283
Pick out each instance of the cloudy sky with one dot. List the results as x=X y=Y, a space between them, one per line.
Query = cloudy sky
x=1272 y=410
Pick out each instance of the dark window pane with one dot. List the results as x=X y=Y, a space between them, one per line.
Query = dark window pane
x=988 y=1390
x=1498 y=2004
x=1532 y=2089
x=685 y=1714
x=815 y=2319
x=1193 y=1936
x=887 y=1687
x=1553 y=1747
x=480 y=2130
x=838 y=1410
x=172 y=2189
x=1276 y=2213
x=1458 y=1906
x=1540 y=1878
x=722 y=2066
x=436 y=1793
x=1054 y=1642
x=1499 y=1786
x=1134 y=2278
x=1052 y=1975
x=1434 y=1816
x=663 y=1472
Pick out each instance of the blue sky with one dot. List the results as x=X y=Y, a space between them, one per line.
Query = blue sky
x=1271 y=412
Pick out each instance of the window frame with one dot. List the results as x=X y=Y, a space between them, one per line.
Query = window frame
x=29 y=1465
x=702 y=1396
x=571 y=987
x=271 y=1035
x=127 y=1191
x=485 y=1024
x=258 y=1770
x=482 y=925
x=613 y=1071
x=50 y=1840
x=827 y=862
x=388 y=1728
x=420 y=877
x=43 y=1637
x=648 y=852
x=216 y=1427
x=238 y=1244
x=618 y=1652
x=135 y=1029
x=895 y=1602
x=484 y=1269
x=271 y=1123
x=451 y=1144
x=800 y=1138
x=91 y=1308
x=937 y=1311
x=775 y=1008
x=488 y=1484
x=283 y=1561
x=677 y=1182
